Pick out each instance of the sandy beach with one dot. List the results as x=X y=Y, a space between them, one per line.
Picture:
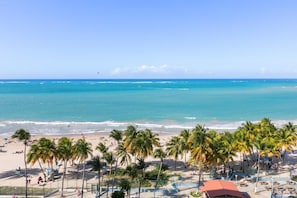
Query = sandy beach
x=11 y=157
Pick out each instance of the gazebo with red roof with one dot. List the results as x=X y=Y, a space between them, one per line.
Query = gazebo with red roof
x=220 y=189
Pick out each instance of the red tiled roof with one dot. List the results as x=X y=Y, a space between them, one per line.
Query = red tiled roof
x=216 y=188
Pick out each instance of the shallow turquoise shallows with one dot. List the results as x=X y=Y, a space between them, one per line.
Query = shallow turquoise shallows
x=86 y=106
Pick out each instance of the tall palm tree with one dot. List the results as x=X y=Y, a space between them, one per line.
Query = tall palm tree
x=24 y=136
x=48 y=151
x=97 y=165
x=45 y=150
x=261 y=147
x=286 y=138
x=159 y=153
x=141 y=172
x=243 y=144
x=65 y=153
x=130 y=135
x=33 y=156
x=142 y=146
x=132 y=172
x=117 y=135
x=144 y=143
x=185 y=135
x=110 y=159
x=82 y=150
x=215 y=150
x=228 y=147
x=198 y=141
x=174 y=149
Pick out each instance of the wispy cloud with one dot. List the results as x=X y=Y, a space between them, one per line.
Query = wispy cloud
x=147 y=70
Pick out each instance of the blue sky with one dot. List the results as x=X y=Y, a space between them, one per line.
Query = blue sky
x=148 y=39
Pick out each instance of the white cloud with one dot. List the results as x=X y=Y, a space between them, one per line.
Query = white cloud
x=147 y=70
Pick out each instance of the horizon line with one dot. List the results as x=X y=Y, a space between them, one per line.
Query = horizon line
x=247 y=78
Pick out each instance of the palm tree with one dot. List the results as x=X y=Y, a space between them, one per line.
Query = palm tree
x=109 y=158
x=117 y=136
x=23 y=135
x=64 y=153
x=125 y=186
x=130 y=136
x=45 y=150
x=132 y=172
x=159 y=153
x=185 y=134
x=102 y=148
x=123 y=154
x=97 y=165
x=228 y=147
x=243 y=144
x=214 y=150
x=286 y=138
x=261 y=147
x=33 y=155
x=82 y=150
x=174 y=149
x=198 y=141
x=140 y=173
x=144 y=143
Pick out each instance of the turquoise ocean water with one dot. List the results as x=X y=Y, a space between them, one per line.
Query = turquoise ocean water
x=87 y=106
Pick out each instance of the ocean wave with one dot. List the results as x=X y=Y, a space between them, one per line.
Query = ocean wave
x=190 y=118
x=239 y=81
x=65 y=128
x=61 y=81
x=127 y=82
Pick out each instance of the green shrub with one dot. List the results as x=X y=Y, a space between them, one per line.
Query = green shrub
x=118 y=194
x=194 y=194
x=119 y=172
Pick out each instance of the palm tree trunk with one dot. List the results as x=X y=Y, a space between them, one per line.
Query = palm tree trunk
x=113 y=179
x=98 y=187
x=26 y=178
x=228 y=165
x=64 y=174
x=242 y=163
x=258 y=171
x=83 y=179
x=156 y=185
x=186 y=160
x=139 y=186
x=108 y=181
x=284 y=157
x=43 y=172
x=199 y=174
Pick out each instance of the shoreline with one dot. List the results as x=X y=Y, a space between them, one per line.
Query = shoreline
x=13 y=158
x=54 y=128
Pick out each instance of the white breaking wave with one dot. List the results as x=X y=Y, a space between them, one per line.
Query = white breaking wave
x=66 y=128
x=190 y=118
